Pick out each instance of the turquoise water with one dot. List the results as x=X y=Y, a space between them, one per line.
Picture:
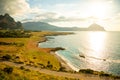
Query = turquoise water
x=100 y=49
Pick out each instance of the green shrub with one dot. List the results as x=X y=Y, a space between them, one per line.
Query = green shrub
x=15 y=34
x=22 y=67
x=49 y=65
x=88 y=71
x=104 y=74
x=6 y=57
x=62 y=68
x=2 y=75
x=8 y=70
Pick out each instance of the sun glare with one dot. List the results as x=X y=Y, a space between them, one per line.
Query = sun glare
x=97 y=43
x=98 y=9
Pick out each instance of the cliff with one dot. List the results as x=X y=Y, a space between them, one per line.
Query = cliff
x=7 y=22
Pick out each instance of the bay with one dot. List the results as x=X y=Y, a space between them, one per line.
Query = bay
x=99 y=51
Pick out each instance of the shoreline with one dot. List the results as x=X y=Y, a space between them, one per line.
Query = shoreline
x=53 y=51
x=33 y=55
x=68 y=67
x=63 y=63
x=66 y=64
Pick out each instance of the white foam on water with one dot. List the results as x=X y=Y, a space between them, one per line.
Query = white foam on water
x=67 y=62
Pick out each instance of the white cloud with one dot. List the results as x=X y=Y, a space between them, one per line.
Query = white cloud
x=14 y=7
x=72 y=14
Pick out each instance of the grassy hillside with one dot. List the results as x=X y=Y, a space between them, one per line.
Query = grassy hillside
x=13 y=73
x=24 y=50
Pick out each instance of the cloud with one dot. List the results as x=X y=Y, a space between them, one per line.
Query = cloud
x=14 y=7
x=19 y=9
x=53 y=17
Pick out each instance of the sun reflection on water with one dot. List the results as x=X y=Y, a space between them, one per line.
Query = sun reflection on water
x=97 y=43
x=95 y=56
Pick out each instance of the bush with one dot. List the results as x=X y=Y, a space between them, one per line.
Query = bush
x=104 y=74
x=49 y=65
x=8 y=70
x=15 y=34
x=62 y=68
x=88 y=71
x=22 y=67
x=2 y=75
x=7 y=57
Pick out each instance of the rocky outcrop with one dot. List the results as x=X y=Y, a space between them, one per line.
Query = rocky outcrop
x=95 y=27
x=7 y=22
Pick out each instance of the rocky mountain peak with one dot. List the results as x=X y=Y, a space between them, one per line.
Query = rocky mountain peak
x=7 y=22
x=96 y=27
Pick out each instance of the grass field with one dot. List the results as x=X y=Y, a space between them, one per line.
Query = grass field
x=29 y=53
x=25 y=74
x=25 y=51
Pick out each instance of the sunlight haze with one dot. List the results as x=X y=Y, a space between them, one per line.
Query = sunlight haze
x=65 y=13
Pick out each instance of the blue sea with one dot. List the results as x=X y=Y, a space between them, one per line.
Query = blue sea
x=99 y=51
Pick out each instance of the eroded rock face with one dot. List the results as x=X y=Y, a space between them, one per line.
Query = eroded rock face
x=7 y=22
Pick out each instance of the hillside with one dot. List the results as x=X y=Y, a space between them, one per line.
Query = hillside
x=39 y=26
x=7 y=22
x=45 y=26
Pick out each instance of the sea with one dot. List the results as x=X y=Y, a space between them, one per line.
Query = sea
x=94 y=50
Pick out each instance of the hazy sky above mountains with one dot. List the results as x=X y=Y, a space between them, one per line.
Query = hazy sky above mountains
x=65 y=13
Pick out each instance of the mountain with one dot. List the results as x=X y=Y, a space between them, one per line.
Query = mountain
x=95 y=27
x=39 y=26
x=45 y=26
x=7 y=22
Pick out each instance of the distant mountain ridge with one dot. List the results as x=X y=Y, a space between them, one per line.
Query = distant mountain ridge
x=45 y=26
x=7 y=22
x=39 y=26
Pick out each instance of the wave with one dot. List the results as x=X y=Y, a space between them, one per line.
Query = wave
x=67 y=62
x=107 y=60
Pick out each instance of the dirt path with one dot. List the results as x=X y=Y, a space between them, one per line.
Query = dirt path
x=61 y=74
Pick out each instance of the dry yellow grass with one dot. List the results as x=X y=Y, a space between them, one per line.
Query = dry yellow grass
x=29 y=54
x=26 y=74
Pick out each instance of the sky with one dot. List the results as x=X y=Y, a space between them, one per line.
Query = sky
x=65 y=13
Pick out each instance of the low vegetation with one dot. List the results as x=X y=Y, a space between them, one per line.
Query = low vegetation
x=12 y=44
x=14 y=34
x=25 y=50
x=90 y=71
x=21 y=47
x=6 y=57
x=12 y=73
